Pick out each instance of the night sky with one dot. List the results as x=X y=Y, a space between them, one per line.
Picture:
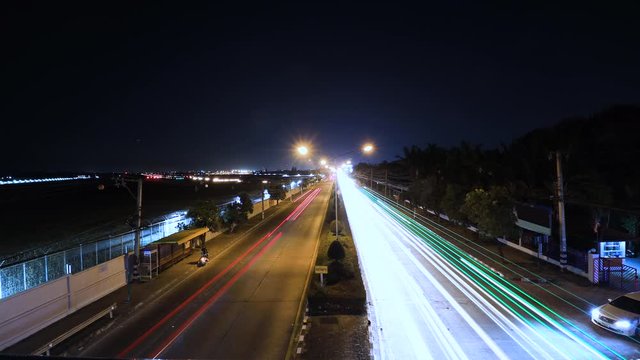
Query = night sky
x=163 y=86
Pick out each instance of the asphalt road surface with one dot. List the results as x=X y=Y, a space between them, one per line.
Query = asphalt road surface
x=242 y=305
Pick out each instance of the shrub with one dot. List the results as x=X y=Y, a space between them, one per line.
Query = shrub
x=336 y=251
x=332 y=227
x=336 y=270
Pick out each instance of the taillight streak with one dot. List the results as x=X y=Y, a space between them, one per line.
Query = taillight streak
x=213 y=280
x=305 y=203
x=212 y=299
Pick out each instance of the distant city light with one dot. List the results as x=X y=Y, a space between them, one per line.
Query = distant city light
x=216 y=179
x=32 y=181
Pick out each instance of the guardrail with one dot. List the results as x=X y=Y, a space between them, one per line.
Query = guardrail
x=46 y=349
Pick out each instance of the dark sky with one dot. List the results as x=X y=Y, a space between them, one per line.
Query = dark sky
x=148 y=85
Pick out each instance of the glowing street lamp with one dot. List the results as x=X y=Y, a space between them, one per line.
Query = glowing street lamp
x=323 y=162
x=302 y=150
x=368 y=148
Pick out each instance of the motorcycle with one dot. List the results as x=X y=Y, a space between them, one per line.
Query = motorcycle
x=204 y=257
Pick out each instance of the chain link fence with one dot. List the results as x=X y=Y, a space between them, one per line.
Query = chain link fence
x=28 y=274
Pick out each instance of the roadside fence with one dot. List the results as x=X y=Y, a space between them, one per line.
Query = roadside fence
x=29 y=274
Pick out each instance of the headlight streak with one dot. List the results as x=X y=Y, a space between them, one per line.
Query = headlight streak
x=463 y=241
x=448 y=250
x=392 y=275
x=386 y=303
x=457 y=265
x=503 y=322
x=548 y=321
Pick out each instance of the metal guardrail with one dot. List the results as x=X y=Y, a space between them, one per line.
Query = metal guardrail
x=46 y=349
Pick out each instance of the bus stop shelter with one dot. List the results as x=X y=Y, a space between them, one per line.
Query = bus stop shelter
x=176 y=247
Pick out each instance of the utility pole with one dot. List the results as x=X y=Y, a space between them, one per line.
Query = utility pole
x=335 y=200
x=386 y=180
x=133 y=263
x=263 y=188
x=371 y=179
x=561 y=219
x=138 y=221
x=122 y=181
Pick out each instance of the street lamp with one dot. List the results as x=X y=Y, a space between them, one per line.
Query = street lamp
x=368 y=148
x=302 y=150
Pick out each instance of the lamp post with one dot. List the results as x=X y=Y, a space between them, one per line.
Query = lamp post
x=335 y=199
x=302 y=150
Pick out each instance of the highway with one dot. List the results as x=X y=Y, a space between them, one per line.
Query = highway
x=431 y=300
x=241 y=305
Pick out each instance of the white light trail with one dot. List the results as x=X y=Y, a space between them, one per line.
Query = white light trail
x=410 y=272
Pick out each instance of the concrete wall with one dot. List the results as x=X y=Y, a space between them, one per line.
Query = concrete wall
x=27 y=312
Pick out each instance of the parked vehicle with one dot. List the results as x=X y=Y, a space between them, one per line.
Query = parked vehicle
x=621 y=315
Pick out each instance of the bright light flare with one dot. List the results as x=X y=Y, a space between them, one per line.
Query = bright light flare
x=303 y=150
x=368 y=148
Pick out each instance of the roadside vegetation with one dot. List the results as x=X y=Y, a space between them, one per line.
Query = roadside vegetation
x=216 y=218
x=343 y=292
x=481 y=186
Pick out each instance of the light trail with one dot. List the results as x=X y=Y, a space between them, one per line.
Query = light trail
x=409 y=270
x=214 y=280
x=172 y=338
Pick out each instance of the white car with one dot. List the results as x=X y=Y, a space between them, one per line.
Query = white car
x=621 y=315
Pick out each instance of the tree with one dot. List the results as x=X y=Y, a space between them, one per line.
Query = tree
x=631 y=223
x=246 y=204
x=277 y=193
x=425 y=192
x=205 y=214
x=237 y=213
x=452 y=201
x=491 y=210
x=231 y=215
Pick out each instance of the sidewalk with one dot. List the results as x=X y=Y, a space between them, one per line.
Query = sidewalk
x=140 y=293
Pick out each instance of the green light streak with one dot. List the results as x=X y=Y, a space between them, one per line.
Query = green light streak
x=512 y=297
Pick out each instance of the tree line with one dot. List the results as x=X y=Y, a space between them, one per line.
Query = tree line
x=216 y=217
x=599 y=155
